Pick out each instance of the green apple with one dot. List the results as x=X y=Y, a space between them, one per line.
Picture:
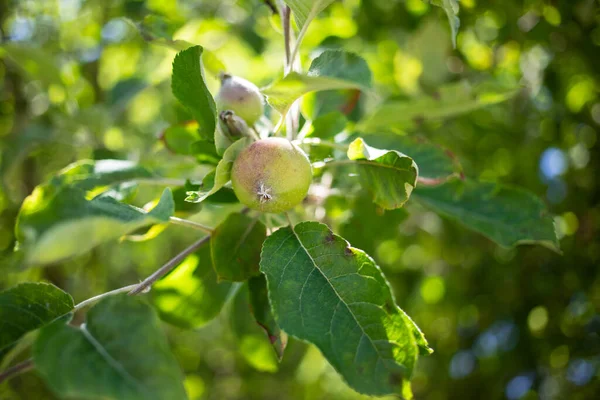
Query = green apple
x=271 y=175
x=240 y=96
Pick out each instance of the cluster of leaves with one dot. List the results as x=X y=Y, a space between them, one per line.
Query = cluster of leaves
x=302 y=280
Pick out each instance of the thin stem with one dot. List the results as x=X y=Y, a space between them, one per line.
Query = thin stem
x=287 y=37
x=299 y=40
x=172 y=263
x=94 y=299
x=287 y=215
x=18 y=369
x=191 y=224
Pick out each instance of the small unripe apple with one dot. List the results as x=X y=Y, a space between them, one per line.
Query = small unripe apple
x=240 y=96
x=271 y=175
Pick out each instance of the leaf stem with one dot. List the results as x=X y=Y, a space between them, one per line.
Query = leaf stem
x=17 y=369
x=191 y=224
x=172 y=263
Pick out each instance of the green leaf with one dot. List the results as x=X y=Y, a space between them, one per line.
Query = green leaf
x=451 y=8
x=235 y=247
x=56 y=224
x=328 y=125
x=436 y=164
x=190 y=296
x=284 y=92
x=29 y=306
x=97 y=176
x=119 y=353
x=190 y=89
x=343 y=65
x=370 y=225
x=449 y=101
x=123 y=93
x=509 y=216
x=388 y=174
x=253 y=344
x=330 y=294
x=36 y=62
x=214 y=181
x=306 y=10
x=184 y=139
x=261 y=309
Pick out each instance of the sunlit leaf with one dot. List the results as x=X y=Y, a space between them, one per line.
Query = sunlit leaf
x=217 y=179
x=306 y=10
x=190 y=89
x=388 y=174
x=334 y=296
x=27 y=307
x=56 y=224
x=449 y=101
x=235 y=247
x=119 y=353
x=190 y=296
x=509 y=216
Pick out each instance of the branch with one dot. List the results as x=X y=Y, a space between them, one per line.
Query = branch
x=172 y=263
x=15 y=370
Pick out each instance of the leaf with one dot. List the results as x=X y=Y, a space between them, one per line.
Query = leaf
x=306 y=10
x=97 y=176
x=253 y=344
x=509 y=216
x=190 y=89
x=190 y=296
x=328 y=125
x=56 y=224
x=284 y=92
x=451 y=100
x=119 y=353
x=343 y=65
x=451 y=8
x=214 y=181
x=36 y=62
x=388 y=174
x=123 y=93
x=261 y=309
x=370 y=224
x=27 y=307
x=334 y=296
x=235 y=247
x=436 y=164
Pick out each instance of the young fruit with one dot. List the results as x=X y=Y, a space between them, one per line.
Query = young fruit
x=240 y=96
x=271 y=175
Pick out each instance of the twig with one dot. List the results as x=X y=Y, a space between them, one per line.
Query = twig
x=287 y=37
x=172 y=263
x=190 y=224
x=103 y=295
x=20 y=368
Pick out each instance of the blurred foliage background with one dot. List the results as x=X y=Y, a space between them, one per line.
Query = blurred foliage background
x=79 y=81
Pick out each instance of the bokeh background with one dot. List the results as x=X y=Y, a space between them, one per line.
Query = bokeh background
x=78 y=81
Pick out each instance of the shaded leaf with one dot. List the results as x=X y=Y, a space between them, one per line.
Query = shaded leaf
x=190 y=296
x=235 y=247
x=56 y=224
x=370 y=224
x=29 y=306
x=253 y=344
x=388 y=174
x=509 y=216
x=330 y=294
x=261 y=309
x=214 y=181
x=450 y=100
x=451 y=8
x=328 y=125
x=119 y=353
x=123 y=93
x=189 y=88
